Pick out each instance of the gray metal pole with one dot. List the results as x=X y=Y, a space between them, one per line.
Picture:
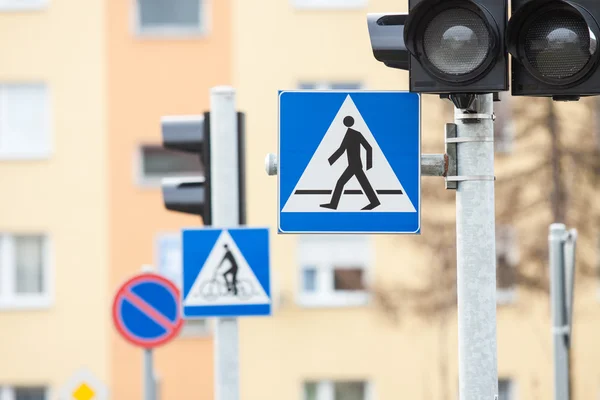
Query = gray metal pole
x=560 y=323
x=149 y=382
x=476 y=252
x=225 y=213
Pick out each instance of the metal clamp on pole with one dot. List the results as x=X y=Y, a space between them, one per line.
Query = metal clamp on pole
x=473 y=117
x=470 y=178
x=451 y=142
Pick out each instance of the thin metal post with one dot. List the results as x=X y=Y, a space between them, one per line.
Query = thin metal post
x=149 y=381
x=225 y=213
x=560 y=322
x=476 y=251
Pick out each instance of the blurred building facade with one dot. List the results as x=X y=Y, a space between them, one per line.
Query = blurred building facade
x=54 y=219
x=82 y=92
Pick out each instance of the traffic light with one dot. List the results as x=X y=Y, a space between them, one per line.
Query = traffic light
x=190 y=195
x=554 y=48
x=193 y=195
x=454 y=46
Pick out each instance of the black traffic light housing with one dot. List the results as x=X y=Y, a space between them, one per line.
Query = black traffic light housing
x=192 y=195
x=450 y=24
x=554 y=48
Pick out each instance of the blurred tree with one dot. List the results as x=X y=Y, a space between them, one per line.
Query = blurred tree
x=551 y=176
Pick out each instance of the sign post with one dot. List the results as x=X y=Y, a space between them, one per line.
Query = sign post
x=146 y=312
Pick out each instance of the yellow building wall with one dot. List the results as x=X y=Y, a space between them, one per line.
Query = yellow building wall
x=275 y=48
x=149 y=78
x=65 y=195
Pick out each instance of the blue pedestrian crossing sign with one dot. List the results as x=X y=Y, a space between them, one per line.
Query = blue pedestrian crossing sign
x=226 y=273
x=349 y=162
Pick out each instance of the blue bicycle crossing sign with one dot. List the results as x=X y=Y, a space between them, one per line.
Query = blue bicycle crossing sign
x=226 y=272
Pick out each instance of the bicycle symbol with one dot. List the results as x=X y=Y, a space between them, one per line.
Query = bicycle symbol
x=217 y=287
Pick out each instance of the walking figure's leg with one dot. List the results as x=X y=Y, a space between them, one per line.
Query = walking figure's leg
x=339 y=188
x=368 y=189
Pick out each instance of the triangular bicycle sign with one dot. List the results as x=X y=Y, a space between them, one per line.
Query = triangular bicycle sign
x=226 y=272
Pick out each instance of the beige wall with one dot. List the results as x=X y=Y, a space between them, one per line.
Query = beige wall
x=64 y=195
x=276 y=47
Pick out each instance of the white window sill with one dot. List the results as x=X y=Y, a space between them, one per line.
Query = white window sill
x=506 y=296
x=16 y=156
x=27 y=303
x=171 y=32
x=333 y=300
x=329 y=4
x=15 y=6
x=191 y=330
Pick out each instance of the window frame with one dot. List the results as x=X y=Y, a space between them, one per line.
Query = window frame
x=31 y=5
x=328 y=84
x=326 y=388
x=512 y=390
x=329 y=4
x=7 y=392
x=325 y=295
x=43 y=153
x=189 y=329
x=173 y=31
x=9 y=299
x=507 y=295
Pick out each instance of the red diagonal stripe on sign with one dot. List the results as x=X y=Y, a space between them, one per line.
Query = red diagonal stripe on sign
x=150 y=311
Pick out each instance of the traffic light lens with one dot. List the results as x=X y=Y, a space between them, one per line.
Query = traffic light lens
x=558 y=45
x=456 y=41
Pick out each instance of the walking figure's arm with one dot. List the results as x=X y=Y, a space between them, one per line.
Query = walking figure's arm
x=369 y=151
x=338 y=153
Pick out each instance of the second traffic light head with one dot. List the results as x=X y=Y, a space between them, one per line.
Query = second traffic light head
x=190 y=195
x=554 y=47
x=457 y=46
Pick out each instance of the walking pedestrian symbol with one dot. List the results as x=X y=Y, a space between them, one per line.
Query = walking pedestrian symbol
x=356 y=167
x=217 y=274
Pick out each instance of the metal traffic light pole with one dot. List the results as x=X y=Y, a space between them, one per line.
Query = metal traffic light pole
x=475 y=245
x=225 y=204
x=561 y=245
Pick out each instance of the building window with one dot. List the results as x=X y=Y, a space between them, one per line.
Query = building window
x=329 y=85
x=336 y=390
x=506 y=389
x=24 y=121
x=504 y=126
x=171 y=17
x=334 y=270
x=156 y=162
x=24 y=393
x=329 y=4
x=25 y=279
x=169 y=262
x=22 y=5
x=507 y=258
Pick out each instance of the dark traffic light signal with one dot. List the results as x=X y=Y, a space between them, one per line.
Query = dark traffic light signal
x=457 y=46
x=190 y=195
x=193 y=195
x=554 y=47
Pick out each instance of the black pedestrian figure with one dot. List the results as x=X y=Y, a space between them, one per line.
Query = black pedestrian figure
x=233 y=270
x=351 y=144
